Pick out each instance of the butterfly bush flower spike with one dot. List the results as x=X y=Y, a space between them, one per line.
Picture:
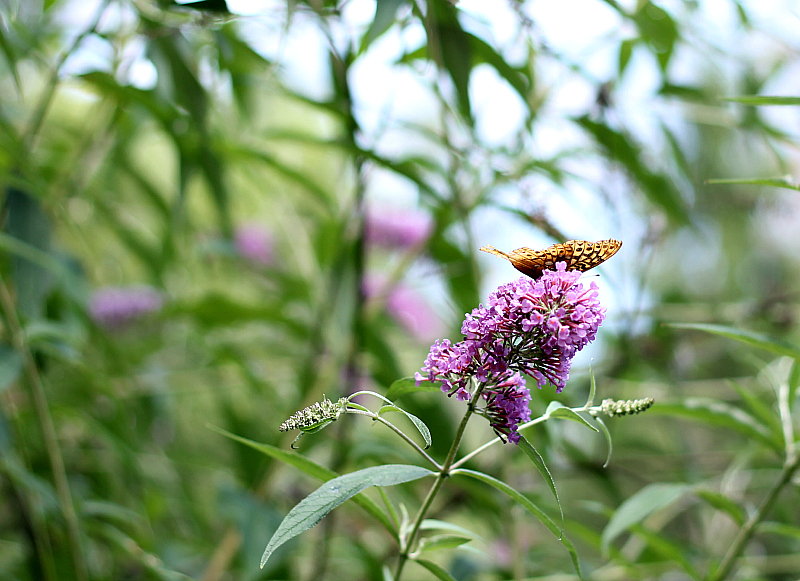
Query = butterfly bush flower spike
x=628 y=407
x=253 y=242
x=397 y=229
x=527 y=328
x=114 y=307
x=315 y=415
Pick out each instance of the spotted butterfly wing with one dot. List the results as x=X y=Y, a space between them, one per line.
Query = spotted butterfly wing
x=578 y=254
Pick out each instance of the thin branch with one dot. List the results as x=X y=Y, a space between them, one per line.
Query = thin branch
x=725 y=568
x=39 y=113
x=48 y=430
x=407 y=543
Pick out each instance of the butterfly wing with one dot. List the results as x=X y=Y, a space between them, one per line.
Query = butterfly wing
x=578 y=254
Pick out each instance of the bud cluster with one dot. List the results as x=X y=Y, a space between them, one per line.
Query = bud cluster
x=623 y=408
x=320 y=412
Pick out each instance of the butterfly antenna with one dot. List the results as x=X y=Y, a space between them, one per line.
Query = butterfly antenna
x=493 y=250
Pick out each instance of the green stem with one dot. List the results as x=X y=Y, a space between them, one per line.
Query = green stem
x=400 y=433
x=533 y=422
x=725 y=568
x=44 y=103
x=406 y=547
x=48 y=430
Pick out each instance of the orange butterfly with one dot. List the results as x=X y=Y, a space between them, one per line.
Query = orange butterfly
x=578 y=254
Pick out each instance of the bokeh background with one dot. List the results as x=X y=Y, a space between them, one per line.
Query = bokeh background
x=214 y=213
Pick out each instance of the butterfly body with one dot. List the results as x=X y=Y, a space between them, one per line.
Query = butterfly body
x=578 y=254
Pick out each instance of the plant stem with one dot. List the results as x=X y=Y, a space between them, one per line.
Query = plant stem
x=725 y=568
x=400 y=433
x=406 y=548
x=533 y=422
x=48 y=430
x=35 y=124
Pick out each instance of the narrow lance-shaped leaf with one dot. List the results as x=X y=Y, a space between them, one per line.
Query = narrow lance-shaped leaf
x=657 y=187
x=717 y=413
x=763 y=100
x=530 y=507
x=316 y=505
x=639 y=506
x=420 y=425
x=385 y=13
x=312 y=469
x=748 y=337
x=724 y=504
x=782 y=182
x=604 y=429
x=538 y=461
x=559 y=411
x=440 y=573
x=408 y=385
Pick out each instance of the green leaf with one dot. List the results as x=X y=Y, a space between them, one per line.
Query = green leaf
x=760 y=410
x=717 y=413
x=26 y=220
x=216 y=6
x=431 y=524
x=312 y=469
x=538 y=461
x=316 y=505
x=530 y=507
x=774 y=182
x=763 y=100
x=11 y=59
x=436 y=570
x=666 y=548
x=777 y=528
x=724 y=504
x=747 y=337
x=625 y=52
x=658 y=30
x=657 y=188
x=635 y=509
x=450 y=45
x=385 y=13
x=592 y=388
x=408 y=385
x=423 y=429
x=518 y=77
x=215 y=309
x=10 y=366
x=460 y=277
x=300 y=177
x=383 y=361
x=604 y=429
x=437 y=542
x=564 y=413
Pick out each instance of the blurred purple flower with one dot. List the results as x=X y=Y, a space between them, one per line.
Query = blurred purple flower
x=116 y=306
x=254 y=243
x=533 y=327
x=407 y=307
x=397 y=228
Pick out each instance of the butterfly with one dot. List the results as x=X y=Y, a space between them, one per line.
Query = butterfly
x=578 y=254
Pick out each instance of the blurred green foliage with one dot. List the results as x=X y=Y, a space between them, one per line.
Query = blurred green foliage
x=139 y=139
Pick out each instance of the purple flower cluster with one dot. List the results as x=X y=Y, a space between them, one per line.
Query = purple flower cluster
x=116 y=306
x=406 y=306
x=397 y=229
x=254 y=243
x=530 y=327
